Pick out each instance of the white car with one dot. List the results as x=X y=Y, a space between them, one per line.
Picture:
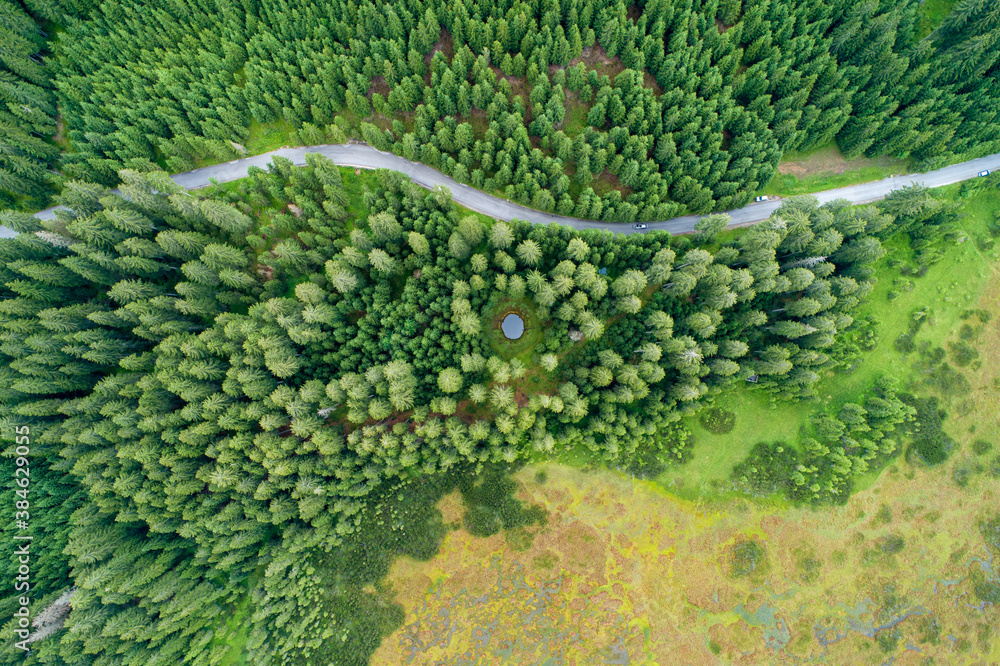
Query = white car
x=638 y=225
x=983 y=174
x=761 y=198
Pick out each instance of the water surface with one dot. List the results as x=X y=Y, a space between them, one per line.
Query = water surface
x=512 y=326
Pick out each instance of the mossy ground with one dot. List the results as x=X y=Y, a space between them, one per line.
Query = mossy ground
x=932 y=13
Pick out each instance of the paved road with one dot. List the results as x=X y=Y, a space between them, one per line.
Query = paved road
x=366 y=157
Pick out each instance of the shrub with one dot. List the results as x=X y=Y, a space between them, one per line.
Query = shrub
x=892 y=544
x=747 y=558
x=904 y=344
x=930 y=443
x=990 y=531
x=767 y=469
x=674 y=445
x=490 y=505
x=981 y=446
x=962 y=354
x=718 y=420
x=961 y=476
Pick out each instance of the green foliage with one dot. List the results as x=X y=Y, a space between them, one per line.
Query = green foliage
x=490 y=505
x=787 y=76
x=985 y=591
x=718 y=420
x=838 y=448
x=929 y=443
x=990 y=530
x=767 y=469
x=962 y=353
x=671 y=447
x=748 y=559
x=981 y=447
x=263 y=388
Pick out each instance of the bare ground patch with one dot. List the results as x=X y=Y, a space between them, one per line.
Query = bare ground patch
x=828 y=161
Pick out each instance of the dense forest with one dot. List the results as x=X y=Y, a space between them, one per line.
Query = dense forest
x=245 y=401
x=593 y=109
x=28 y=112
x=221 y=387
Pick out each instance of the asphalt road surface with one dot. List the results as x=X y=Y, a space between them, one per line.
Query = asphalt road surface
x=366 y=157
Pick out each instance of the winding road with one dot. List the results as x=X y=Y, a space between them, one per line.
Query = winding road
x=366 y=157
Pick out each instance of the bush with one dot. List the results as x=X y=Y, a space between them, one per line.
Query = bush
x=747 y=558
x=981 y=446
x=673 y=445
x=983 y=316
x=904 y=344
x=930 y=444
x=718 y=420
x=767 y=469
x=892 y=544
x=961 y=476
x=962 y=354
x=990 y=531
x=490 y=505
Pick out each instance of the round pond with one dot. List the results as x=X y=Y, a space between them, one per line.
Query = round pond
x=512 y=326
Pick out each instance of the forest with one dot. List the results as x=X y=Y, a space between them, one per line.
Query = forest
x=245 y=401
x=598 y=110
x=224 y=384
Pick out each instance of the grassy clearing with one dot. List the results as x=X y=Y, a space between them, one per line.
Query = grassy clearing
x=826 y=168
x=270 y=136
x=932 y=14
x=951 y=286
x=576 y=115
x=523 y=347
x=758 y=419
x=233 y=632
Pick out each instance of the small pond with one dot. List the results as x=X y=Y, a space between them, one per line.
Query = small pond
x=512 y=326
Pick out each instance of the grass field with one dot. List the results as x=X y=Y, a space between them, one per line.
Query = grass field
x=233 y=631
x=825 y=168
x=758 y=419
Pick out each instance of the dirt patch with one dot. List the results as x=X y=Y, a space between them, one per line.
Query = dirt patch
x=379 y=85
x=649 y=81
x=597 y=59
x=829 y=161
x=444 y=43
x=606 y=182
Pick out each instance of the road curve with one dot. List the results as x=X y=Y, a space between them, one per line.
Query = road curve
x=366 y=157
